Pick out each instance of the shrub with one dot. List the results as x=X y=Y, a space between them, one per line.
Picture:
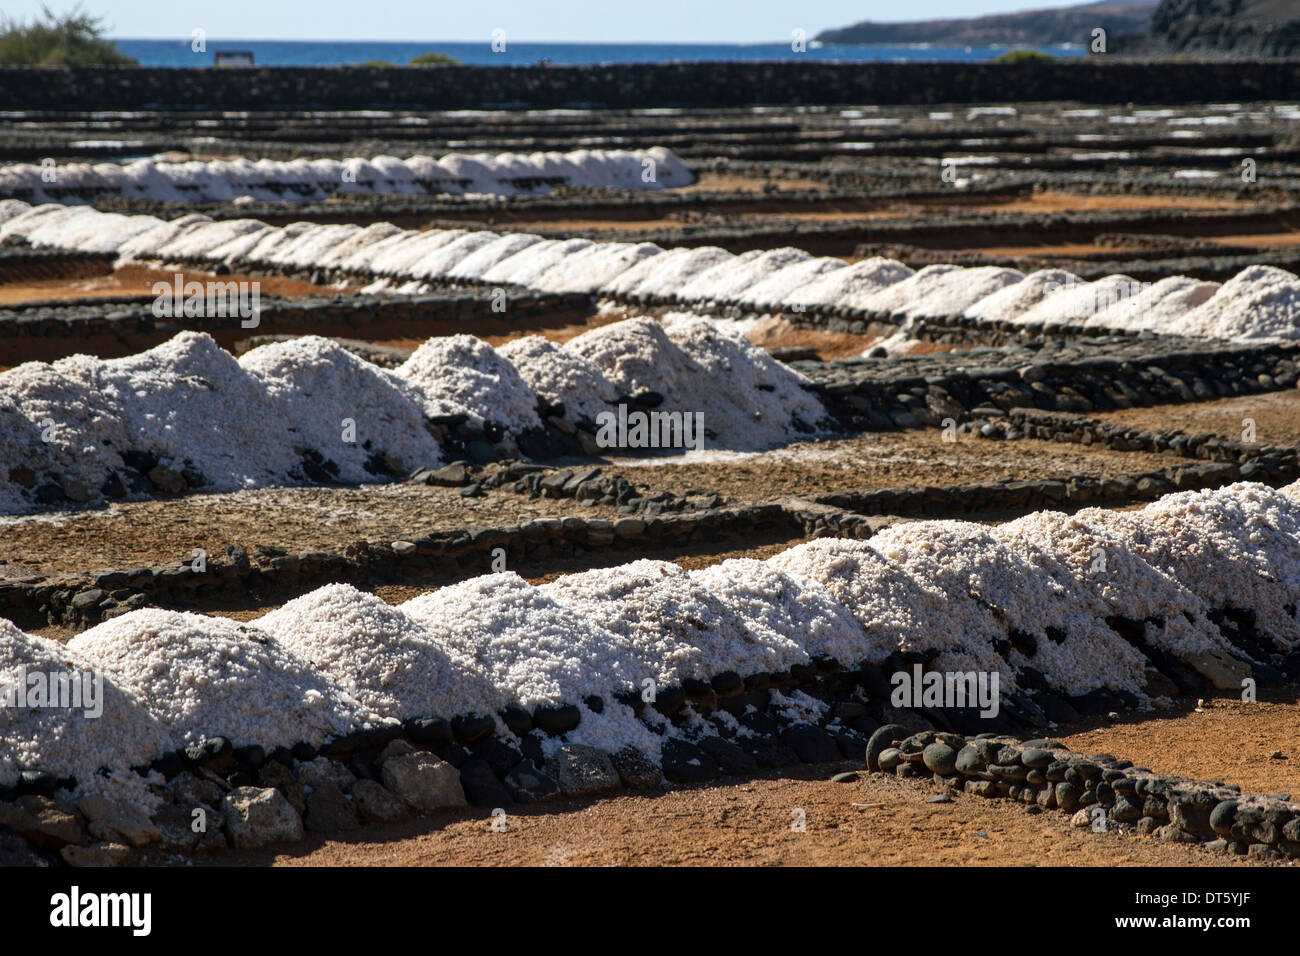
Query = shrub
x=1024 y=56
x=74 y=39
x=433 y=59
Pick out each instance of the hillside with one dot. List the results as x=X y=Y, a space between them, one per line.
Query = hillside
x=1239 y=27
x=1030 y=27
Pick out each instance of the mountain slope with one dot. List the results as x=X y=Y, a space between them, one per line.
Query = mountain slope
x=1029 y=27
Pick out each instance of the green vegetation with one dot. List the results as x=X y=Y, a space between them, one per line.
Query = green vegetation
x=433 y=59
x=74 y=39
x=1024 y=56
x=384 y=64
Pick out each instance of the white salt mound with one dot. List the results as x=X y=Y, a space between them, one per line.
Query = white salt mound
x=560 y=375
x=1012 y=301
x=1156 y=306
x=317 y=388
x=849 y=288
x=952 y=293
x=1100 y=567
x=68 y=741
x=374 y=652
x=528 y=648
x=1074 y=650
x=1074 y=305
x=903 y=297
x=203 y=677
x=1260 y=302
x=463 y=374
x=1236 y=547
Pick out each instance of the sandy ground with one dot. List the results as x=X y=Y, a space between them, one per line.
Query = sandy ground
x=137 y=280
x=1276 y=416
x=132 y=534
x=748 y=822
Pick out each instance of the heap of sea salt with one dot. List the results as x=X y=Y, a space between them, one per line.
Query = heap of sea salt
x=1074 y=305
x=1157 y=306
x=1014 y=300
x=773 y=291
x=1068 y=644
x=73 y=731
x=528 y=265
x=474 y=265
x=57 y=418
x=850 y=288
x=462 y=374
x=374 y=652
x=1102 y=568
x=590 y=269
x=749 y=399
x=527 y=647
x=1234 y=547
x=896 y=611
x=560 y=375
x=745 y=273
x=952 y=293
x=344 y=407
x=778 y=610
x=674 y=625
x=1259 y=302
x=702 y=285
x=202 y=677
x=671 y=272
x=901 y=297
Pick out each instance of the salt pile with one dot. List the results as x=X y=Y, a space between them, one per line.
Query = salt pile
x=344 y=407
x=896 y=611
x=528 y=648
x=745 y=273
x=776 y=288
x=1075 y=304
x=672 y=624
x=374 y=652
x=1070 y=646
x=851 y=287
x=1100 y=567
x=1029 y=594
x=202 y=677
x=528 y=265
x=560 y=376
x=462 y=374
x=948 y=293
x=112 y=730
x=1259 y=302
x=788 y=619
x=898 y=298
x=669 y=273
x=1157 y=306
x=1237 y=546
x=506 y=174
x=1016 y=299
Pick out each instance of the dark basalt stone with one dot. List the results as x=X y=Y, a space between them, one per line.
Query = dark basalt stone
x=432 y=732
x=251 y=757
x=481 y=785
x=556 y=719
x=727 y=683
x=471 y=728
x=669 y=700
x=517 y=720
x=686 y=763
x=498 y=755
x=730 y=758
x=169 y=764
x=812 y=744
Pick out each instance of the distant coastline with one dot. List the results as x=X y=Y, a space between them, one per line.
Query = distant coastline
x=178 y=52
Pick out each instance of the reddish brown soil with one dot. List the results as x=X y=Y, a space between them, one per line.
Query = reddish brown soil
x=1276 y=416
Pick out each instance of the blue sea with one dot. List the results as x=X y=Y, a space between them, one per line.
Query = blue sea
x=340 y=52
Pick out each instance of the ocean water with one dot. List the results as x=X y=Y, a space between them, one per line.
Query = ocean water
x=178 y=53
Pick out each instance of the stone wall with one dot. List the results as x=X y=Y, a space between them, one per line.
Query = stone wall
x=1096 y=80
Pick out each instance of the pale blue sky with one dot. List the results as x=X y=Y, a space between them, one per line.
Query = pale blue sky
x=629 y=21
